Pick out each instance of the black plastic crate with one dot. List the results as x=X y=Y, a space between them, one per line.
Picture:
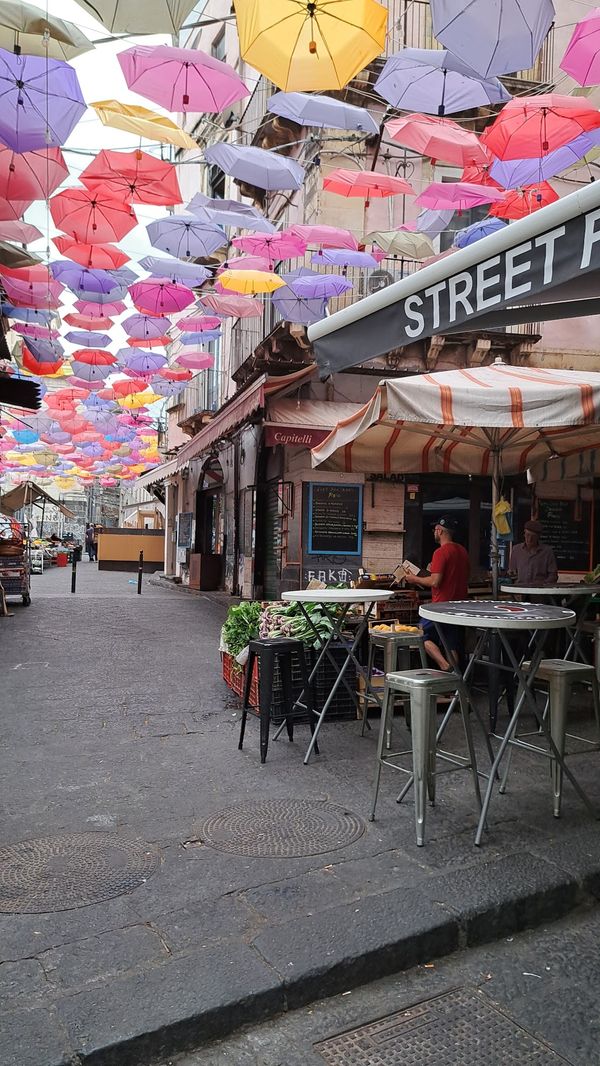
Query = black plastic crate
x=343 y=707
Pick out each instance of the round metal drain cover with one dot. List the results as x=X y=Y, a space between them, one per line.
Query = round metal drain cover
x=285 y=828
x=74 y=870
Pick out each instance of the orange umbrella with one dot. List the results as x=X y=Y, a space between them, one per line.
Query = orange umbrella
x=518 y=203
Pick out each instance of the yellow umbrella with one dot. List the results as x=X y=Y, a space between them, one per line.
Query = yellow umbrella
x=250 y=282
x=138 y=399
x=310 y=46
x=144 y=123
x=64 y=483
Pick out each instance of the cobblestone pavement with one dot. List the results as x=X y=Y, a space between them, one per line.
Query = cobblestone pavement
x=114 y=719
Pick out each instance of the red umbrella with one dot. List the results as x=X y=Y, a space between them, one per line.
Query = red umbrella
x=171 y=374
x=149 y=342
x=479 y=173
x=127 y=388
x=439 y=138
x=95 y=256
x=39 y=369
x=94 y=357
x=140 y=177
x=367 y=184
x=87 y=322
x=11 y=210
x=31 y=175
x=36 y=274
x=530 y=127
x=517 y=203
x=93 y=216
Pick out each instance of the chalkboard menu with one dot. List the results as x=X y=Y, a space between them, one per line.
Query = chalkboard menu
x=334 y=519
x=567 y=530
x=185 y=522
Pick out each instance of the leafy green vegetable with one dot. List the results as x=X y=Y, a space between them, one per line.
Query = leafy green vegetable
x=241 y=626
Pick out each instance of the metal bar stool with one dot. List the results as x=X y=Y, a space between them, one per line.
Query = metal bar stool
x=560 y=676
x=423 y=687
x=272 y=653
x=396 y=649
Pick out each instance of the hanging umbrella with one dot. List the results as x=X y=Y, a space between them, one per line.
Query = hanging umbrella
x=45 y=351
x=27 y=314
x=456 y=195
x=100 y=256
x=128 y=388
x=295 y=308
x=181 y=79
x=367 y=184
x=93 y=216
x=432 y=223
x=167 y=388
x=88 y=322
x=141 y=362
x=27 y=30
x=100 y=311
x=108 y=303
x=250 y=282
x=438 y=138
x=91 y=372
x=195 y=338
x=190 y=274
x=11 y=210
x=41 y=101
x=88 y=339
x=530 y=127
x=94 y=357
x=464 y=237
x=159 y=296
x=40 y=369
x=320 y=286
x=233 y=306
x=311 y=47
x=396 y=242
x=77 y=277
x=23 y=232
x=39 y=333
x=185 y=236
x=31 y=175
x=582 y=56
x=512 y=173
x=16 y=257
x=309 y=109
x=38 y=295
x=343 y=257
x=135 y=176
x=196 y=360
x=130 y=17
x=273 y=247
x=142 y=122
x=199 y=323
x=517 y=203
x=145 y=327
x=170 y=373
x=257 y=166
x=150 y=342
x=434 y=81
x=493 y=41
x=323 y=236
x=229 y=214
x=246 y=262
x=139 y=401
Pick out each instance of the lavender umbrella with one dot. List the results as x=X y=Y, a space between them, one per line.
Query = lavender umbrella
x=145 y=327
x=194 y=338
x=294 y=308
x=343 y=257
x=433 y=223
x=45 y=351
x=27 y=314
x=185 y=236
x=41 y=101
x=91 y=372
x=477 y=231
x=514 y=173
x=141 y=361
x=322 y=111
x=101 y=298
x=81 y=279
x=84 y=339
x=435 y=82
x=493 y=41
x=229 y=213
x=256 y=166
x=165 y=388
x=189 y=274
x=320 y=286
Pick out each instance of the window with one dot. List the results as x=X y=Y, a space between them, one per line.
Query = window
x=217 y=48
x=216 y=182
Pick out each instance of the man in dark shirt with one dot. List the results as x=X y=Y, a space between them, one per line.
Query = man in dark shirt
x=448 y=580
x=533 y=563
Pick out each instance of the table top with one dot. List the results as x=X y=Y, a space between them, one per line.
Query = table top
x=498 y=614
x=552 y=590
x=337 y=596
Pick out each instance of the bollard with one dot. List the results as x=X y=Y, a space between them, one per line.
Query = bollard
x=140 y=572
x=73 y=573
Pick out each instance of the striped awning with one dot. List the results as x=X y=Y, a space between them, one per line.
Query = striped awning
x=457 y=421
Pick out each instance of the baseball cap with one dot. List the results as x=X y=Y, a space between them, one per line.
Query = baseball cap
x=446 y=521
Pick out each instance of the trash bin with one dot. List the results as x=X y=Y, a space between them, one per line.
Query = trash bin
x=62 y=558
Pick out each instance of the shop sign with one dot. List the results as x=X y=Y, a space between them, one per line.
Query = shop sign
x=294 y=436
x=329 y=575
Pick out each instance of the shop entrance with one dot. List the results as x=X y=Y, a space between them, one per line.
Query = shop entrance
x=269 y=523
x=206 y=561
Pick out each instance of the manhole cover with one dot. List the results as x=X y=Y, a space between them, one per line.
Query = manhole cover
x=286 y=828
x=63 y=872
x=459 y=1028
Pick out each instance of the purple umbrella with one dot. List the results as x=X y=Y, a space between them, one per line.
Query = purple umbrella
x=84 y=339
x=320 y=286
x=477 y=231
x=96 y=403
x=91 y=372
x=229 y=213
x=435 y=82
x=256 y=166
x=27 y=314
x=81 y=279
x=41 y=101
x=141 y=361
x=190 y=274
x=101 y=419
x=493 y=40
x=433 y=222
x=293 y=308
x=322 y=111
x=194 y=338
x=145 y=327
x=185 y=236
x=45 y=351
x=343 y=257
x=165 y=388
x=514 y=173
x=101 y=298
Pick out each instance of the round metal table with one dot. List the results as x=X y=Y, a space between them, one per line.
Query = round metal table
x=335 y=598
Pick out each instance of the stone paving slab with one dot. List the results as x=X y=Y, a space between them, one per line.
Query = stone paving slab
x=129 y=728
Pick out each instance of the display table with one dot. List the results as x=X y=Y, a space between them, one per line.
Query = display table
x=500 y=618
x=577 y=597
x=345 y=599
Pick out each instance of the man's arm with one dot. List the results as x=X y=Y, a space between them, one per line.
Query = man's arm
x=430 y=582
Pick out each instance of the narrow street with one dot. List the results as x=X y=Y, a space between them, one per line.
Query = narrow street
x=192 y=890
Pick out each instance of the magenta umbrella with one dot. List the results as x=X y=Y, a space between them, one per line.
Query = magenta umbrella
x=247 y=262
x=89 y=307
x=181 y=79
x=159 y=296
x=273 y=246
x=199 y=323
x=324 y=236
x=457 y=195
x=582 y=57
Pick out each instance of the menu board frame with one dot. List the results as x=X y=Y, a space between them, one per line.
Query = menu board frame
x=319 y=548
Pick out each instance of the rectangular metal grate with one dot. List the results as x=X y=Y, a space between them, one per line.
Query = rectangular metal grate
x=458 y=1028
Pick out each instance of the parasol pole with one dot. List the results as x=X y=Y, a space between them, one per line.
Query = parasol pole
x=494 y=557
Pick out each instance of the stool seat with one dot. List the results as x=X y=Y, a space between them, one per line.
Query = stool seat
x=273 y=653
x=402 y=640
x=550 y=668
x=396 y=649
x=438 y=681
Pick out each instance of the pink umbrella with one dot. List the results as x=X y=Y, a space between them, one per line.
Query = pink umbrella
x=11 y=210
x=181 y=79
x=15 y=230
x=159 y=296
x=439 y=138
x=89 y=307
x=233 y=306
x=33 y=293
x=196 y=360
x=274 y=246
x=324 y=236
x=367 y=184
x=37 y=333
x=582 y=57
x=457 y=196
x=246 y=262
x=198 y=323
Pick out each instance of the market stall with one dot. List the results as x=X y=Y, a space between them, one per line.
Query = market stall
x=14 y=560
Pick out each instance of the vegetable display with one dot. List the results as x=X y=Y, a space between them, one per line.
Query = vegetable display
x=241 y=626
x=278 y=620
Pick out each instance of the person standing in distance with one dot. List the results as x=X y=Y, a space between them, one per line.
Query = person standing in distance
x=448 y=579
x=90 y=535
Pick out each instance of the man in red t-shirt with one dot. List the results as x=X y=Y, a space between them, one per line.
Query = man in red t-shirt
x=448 y=580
